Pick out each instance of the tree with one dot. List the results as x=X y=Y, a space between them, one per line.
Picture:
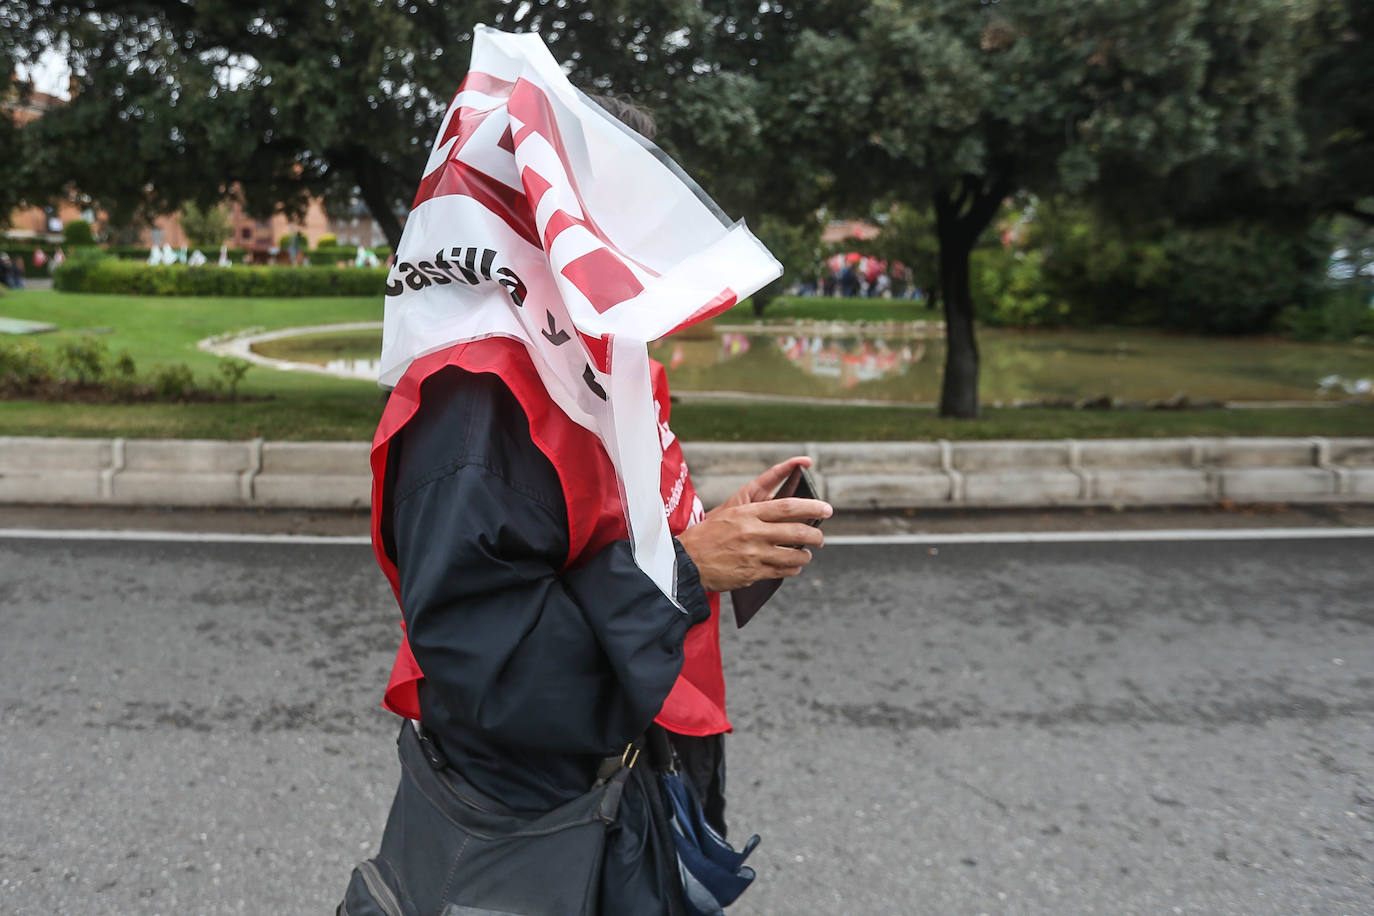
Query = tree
x=283 y=100
x=958 y=105
x=205 y=227
x=796 y=245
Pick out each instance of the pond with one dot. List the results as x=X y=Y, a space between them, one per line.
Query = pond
x=905 y=367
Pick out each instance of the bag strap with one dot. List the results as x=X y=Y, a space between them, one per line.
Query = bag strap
x=659 y=749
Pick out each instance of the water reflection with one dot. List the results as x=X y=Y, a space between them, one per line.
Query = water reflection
x=889 y=365
x=354 y=368
x=1130 y=365
x=850 y=360
x=814 y=365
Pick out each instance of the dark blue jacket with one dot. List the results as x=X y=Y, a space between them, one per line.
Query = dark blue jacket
x=532 y=675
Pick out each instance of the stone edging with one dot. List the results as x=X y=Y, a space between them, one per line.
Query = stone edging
x=852 y=475
x=239 y=345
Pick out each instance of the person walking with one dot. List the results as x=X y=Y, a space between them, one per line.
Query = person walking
x=555 y=663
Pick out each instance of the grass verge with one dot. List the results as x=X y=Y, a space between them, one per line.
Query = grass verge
x=353 y=415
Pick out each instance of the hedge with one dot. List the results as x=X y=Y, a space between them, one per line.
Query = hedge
x=107 y=275
x=329 y=255
x=141 y=252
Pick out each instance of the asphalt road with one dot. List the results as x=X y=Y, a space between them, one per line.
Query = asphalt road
x=1043 y=728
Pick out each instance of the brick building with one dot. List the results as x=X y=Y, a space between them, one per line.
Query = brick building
x=261 y=237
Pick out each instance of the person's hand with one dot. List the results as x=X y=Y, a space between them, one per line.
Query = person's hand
x=751 y=537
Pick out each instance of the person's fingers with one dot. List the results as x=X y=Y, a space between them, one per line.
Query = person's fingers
x=769 y=480
x=782 y=558
x=792 y=509
x=791 y=534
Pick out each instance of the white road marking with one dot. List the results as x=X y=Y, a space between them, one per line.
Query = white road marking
x=193 y=537
x=839 y=540
x=1089 y=537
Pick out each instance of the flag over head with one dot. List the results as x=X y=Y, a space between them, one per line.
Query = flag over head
x=542 y=218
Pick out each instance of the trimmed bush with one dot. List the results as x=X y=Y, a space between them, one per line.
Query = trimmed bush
x=78 y=232
x=107 y=275
x=329 y=255
x=302 y=244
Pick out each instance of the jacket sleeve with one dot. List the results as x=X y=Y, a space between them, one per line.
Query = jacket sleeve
x=575 y=661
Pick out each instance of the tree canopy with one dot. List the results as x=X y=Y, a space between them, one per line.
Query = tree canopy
x=1142 y=105
x=1150 y=109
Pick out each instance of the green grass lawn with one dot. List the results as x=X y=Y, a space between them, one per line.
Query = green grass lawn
x=161 y=330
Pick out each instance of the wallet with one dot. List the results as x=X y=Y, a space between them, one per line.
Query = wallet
x=747 y=601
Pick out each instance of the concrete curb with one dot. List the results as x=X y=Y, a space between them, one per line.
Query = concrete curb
x=852 y=475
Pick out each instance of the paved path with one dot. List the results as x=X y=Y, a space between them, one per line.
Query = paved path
x=1049 y=728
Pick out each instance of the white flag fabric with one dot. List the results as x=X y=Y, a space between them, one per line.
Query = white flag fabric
x=542 y=218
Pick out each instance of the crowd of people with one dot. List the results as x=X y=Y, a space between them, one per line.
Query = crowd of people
x=857 y=276
x=12 y=267
x=11 y=270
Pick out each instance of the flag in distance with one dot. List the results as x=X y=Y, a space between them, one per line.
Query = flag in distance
x=542 y=218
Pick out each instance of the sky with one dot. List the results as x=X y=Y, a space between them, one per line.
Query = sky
x=49 y=74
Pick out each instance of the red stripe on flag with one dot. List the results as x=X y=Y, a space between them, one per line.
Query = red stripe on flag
x=455 y=178
x=463 y=125
x=486 y=84
x=560 y=220
x=529 y=105
x=535 y=187
x=724 y=299
x=599 y=348
x=603 y=279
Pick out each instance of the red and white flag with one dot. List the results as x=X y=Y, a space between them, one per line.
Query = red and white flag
x=542 y=218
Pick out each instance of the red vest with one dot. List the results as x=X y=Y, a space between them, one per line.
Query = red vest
x=696 y=704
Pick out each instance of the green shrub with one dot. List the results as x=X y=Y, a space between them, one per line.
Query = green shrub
x=330 y=255
x=133 y=278
x=328 y=240
x=1237 y=279
x=22 y=366
x=285 y=241
x=1229 y=279
x=1009 y=290
x=233 y=371
x=173 y=383
x=1342 y=313
x=77 y=232
x=83 y=360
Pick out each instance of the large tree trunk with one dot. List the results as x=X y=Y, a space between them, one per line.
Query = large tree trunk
x=372 y=176
x=959 y=390
x=961 y=214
